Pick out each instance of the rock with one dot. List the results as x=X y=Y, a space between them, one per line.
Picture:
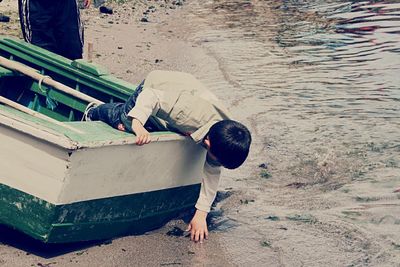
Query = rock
x=106 y=10
x=177 y=2
x=144 y=19
x=272 y=218
x=263 y=166
x=4 y=18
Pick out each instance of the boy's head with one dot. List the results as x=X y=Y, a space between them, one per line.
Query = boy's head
x=229 y=142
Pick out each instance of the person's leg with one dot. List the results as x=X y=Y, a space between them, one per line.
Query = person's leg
x=22 y=10
x=36 y=18
x=109 y=113
x=69 y=30
x=115 y=114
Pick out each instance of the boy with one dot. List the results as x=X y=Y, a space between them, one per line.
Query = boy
x=189 y=108
x=53 y=25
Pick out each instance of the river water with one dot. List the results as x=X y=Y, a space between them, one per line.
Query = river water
x=318 y=83
x=322 y=60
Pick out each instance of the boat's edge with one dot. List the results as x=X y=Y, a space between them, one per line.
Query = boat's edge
x=36 y=130
x=72 y=140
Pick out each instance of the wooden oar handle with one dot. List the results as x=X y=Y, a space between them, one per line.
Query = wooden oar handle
x=31 y=72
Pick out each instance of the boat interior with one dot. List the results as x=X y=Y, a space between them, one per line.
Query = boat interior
x=87 y=78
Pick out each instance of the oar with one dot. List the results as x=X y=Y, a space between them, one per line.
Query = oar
x=36 y=114
x=31 y=72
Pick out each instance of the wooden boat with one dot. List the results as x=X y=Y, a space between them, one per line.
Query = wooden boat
x=66 y=180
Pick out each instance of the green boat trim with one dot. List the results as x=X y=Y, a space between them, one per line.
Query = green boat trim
x=95 y=219
x=86 y=134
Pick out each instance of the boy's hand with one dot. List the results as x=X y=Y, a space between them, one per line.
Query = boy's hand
x=198 y=227
x=142 y=135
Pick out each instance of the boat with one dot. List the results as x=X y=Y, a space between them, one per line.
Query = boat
x=65 y=180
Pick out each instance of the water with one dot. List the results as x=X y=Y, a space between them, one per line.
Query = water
x=329 y=67
x=336 y=58
x=318 y=83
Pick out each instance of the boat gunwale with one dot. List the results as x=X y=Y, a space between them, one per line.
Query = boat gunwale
x=41 y=131
x=35 y=130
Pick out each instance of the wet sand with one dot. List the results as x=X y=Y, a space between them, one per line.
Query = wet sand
x=309 y=195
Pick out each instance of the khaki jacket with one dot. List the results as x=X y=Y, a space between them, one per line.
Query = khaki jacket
x=187 y=107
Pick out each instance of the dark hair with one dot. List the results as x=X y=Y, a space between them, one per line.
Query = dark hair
x=229 y=143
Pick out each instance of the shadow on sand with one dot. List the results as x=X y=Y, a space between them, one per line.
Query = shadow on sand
x=16 y=239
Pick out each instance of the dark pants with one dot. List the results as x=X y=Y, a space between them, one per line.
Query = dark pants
x=116 y=113
x=53 y=25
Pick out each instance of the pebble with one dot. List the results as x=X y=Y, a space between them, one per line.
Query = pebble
x=106 y=10
x=4 y=18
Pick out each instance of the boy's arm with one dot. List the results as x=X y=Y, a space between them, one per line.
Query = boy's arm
x=142 y=135
x=146 y=104
x=209 y=186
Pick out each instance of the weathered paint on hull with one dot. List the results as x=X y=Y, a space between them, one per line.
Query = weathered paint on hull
x=94 y=219
x=94 y=191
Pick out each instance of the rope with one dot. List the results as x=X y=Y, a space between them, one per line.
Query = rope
x=40 y=83
x=87 y=109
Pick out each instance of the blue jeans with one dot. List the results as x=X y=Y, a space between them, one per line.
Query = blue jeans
x=116 y=113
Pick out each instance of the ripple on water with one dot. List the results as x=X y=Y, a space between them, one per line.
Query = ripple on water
x=319 y=80
x=339 y=54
